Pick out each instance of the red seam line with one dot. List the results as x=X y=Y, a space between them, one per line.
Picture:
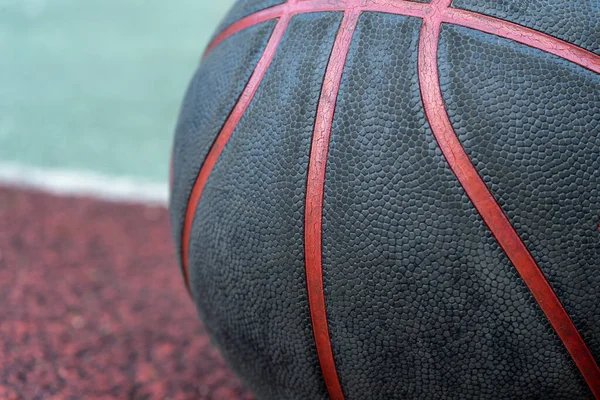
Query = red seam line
x=292 y=8
x=247 y=22
x=468 y=19
x=490 y=210
x=224 y=136
x=404 y=8
x=313 y=219
x=523 y=35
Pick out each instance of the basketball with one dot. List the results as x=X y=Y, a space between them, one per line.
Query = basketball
x=392 y=199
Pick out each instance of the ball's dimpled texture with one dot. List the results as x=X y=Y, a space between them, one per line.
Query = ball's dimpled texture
x=247 y=255
x=533 y=132
x=575 y=22
x=422 y=302
x=212 y=94
x=421 y=299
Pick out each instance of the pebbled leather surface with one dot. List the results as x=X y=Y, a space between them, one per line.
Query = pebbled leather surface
x=247 y=252
x=531 y=124
x=223 y=74
x=422 y=303
x=576 y=22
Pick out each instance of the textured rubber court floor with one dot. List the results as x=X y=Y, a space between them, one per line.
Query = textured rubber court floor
x=92 y=306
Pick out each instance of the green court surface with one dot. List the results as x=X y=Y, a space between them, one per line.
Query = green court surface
x=94 y=305
x=95 y=85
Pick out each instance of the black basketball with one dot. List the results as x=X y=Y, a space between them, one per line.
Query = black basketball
x=391 y=199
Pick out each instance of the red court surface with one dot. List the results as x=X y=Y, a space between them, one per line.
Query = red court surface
x=93 y=306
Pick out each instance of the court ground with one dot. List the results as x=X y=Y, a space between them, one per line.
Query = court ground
x=93 y=304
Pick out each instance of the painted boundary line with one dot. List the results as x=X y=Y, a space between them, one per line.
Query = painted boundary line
x=64 y=182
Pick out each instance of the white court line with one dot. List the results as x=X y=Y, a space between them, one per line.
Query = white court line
x=84 y=184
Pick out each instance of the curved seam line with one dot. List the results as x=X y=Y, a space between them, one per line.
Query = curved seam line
x=315 y=187
x=473 y=20
x=489 y=209
x=223 y=138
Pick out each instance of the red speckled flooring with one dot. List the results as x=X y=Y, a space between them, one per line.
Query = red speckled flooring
x=92 y=306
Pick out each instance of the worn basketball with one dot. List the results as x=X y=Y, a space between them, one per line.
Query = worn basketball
x=391 y=199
